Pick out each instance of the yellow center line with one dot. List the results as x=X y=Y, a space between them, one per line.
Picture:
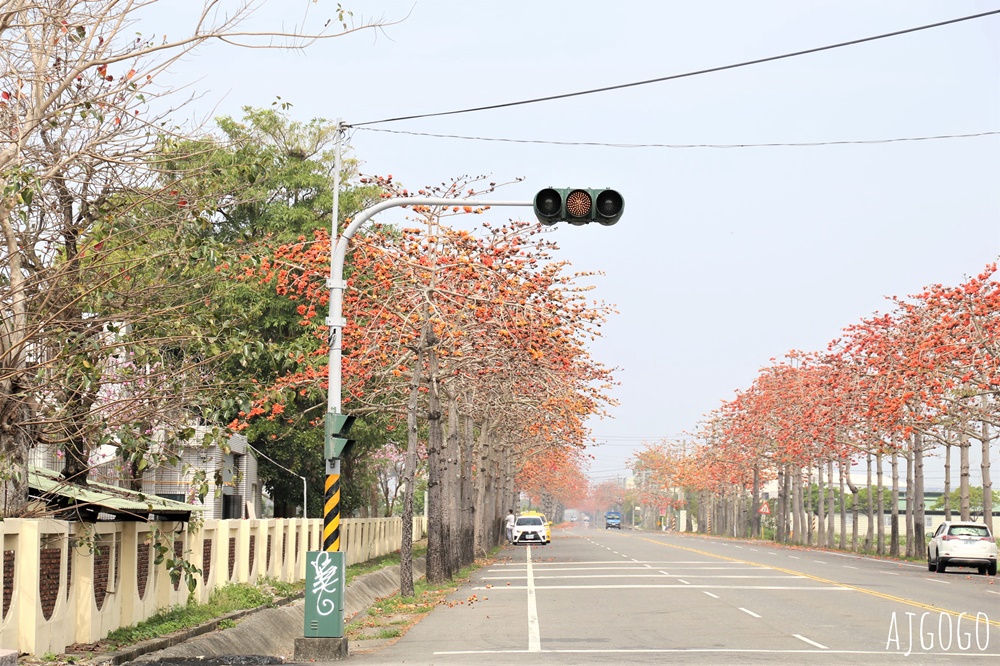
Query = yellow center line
x=881 y=595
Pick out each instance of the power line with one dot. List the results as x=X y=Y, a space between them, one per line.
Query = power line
x=797 y=144
x=673 y=77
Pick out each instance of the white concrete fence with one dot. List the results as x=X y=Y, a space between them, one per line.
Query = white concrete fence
x=66 y=583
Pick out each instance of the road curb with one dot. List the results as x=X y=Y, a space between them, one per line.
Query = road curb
x=267 y=631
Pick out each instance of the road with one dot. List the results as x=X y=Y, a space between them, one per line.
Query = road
x=602 y=596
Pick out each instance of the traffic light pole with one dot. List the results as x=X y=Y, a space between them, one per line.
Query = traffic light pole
x=321 y=579
x=324 y=632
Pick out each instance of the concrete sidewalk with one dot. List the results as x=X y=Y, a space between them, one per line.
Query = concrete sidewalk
x=268 y=632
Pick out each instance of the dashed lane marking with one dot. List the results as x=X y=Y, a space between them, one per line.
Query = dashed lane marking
x=813 y=643
x=818 y=579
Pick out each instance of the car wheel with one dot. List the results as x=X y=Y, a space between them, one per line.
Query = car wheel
x=992 y=569
x=930 y=565
x=982 y=570
x=941 y=565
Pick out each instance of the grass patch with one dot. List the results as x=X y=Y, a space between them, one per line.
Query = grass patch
x=226 y=599
x=392 y=559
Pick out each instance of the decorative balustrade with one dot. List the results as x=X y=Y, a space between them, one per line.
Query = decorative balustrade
x=66 y=583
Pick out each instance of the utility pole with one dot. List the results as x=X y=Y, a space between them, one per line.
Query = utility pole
x=324 y=612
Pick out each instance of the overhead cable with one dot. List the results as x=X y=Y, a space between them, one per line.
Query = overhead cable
x=788 y=144
x=673 y=77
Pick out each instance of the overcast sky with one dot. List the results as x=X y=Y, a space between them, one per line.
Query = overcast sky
x=726 y=257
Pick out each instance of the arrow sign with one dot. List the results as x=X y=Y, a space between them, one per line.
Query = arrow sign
x=764 y=509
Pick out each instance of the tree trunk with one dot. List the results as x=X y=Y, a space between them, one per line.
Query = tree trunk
x=908 y=457
x=483 y=485
x=798 y=526
x=894 y=509
x=987 y=481
x=918 y=493
x=17 y=436
x=964 y=502
x=880 y=505
x=755 y=531
x=947 y=479
x=467 y=538
x=781 y=515
x=437 y=519
x=845 y=477
x=821 y=506
x=409 y=475
x=843 y=512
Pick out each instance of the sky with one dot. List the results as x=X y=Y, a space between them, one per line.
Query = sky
x=726 y=257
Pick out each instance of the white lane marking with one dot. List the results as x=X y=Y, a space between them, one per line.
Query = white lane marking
x=683 y=581
x=880 y=653
x=749 y=612
x=819 y=561
x=764 y=576
x=792 y=557
x=813 y=643
x=935 y=580
x=890 y=573
x=803 y=588
x=993 y=592
x=754 y=550
x=848 y=566
x=681 y=651
x=534 y=637
x=660 y=562
x=714 y=596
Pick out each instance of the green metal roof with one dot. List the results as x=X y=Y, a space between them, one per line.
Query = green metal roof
x=103 y=498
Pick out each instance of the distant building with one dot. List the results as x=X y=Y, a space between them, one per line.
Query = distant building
x=233 y=484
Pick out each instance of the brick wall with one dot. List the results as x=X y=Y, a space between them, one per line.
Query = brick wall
x=8 y=580
x=232 y=557
x=102 y=566
x=206 y=559
x=142 y=567
x=178 y=554
x=48 y=582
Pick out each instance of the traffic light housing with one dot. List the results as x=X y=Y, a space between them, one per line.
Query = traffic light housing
x=336 y=444
x=578 y=206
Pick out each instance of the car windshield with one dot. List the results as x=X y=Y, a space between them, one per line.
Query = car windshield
x=529 y=520
x=969 y=530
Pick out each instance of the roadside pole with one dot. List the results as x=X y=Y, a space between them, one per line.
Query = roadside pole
x=324 y=612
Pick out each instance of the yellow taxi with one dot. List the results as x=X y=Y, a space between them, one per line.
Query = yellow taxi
x=545 y=521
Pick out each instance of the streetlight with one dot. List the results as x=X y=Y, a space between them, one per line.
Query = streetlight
x=323 y=587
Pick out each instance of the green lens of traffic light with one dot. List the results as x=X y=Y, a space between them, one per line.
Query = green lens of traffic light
x=609 y=203
x=548 y=203
x=578 y=204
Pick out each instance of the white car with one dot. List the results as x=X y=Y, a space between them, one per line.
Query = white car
x=962 y=544
x=530 y=529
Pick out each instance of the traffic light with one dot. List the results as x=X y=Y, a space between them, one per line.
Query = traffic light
x=578 y=206
x=336 y=444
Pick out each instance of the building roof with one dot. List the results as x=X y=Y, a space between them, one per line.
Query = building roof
x=71 y=501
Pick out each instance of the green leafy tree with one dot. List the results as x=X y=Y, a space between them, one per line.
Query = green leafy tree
x=271 y=178
x=975 y=499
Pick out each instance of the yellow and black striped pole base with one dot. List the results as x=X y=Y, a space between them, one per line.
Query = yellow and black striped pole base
x=331 y=513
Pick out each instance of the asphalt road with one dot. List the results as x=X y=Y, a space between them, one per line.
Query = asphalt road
x=607 y=597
